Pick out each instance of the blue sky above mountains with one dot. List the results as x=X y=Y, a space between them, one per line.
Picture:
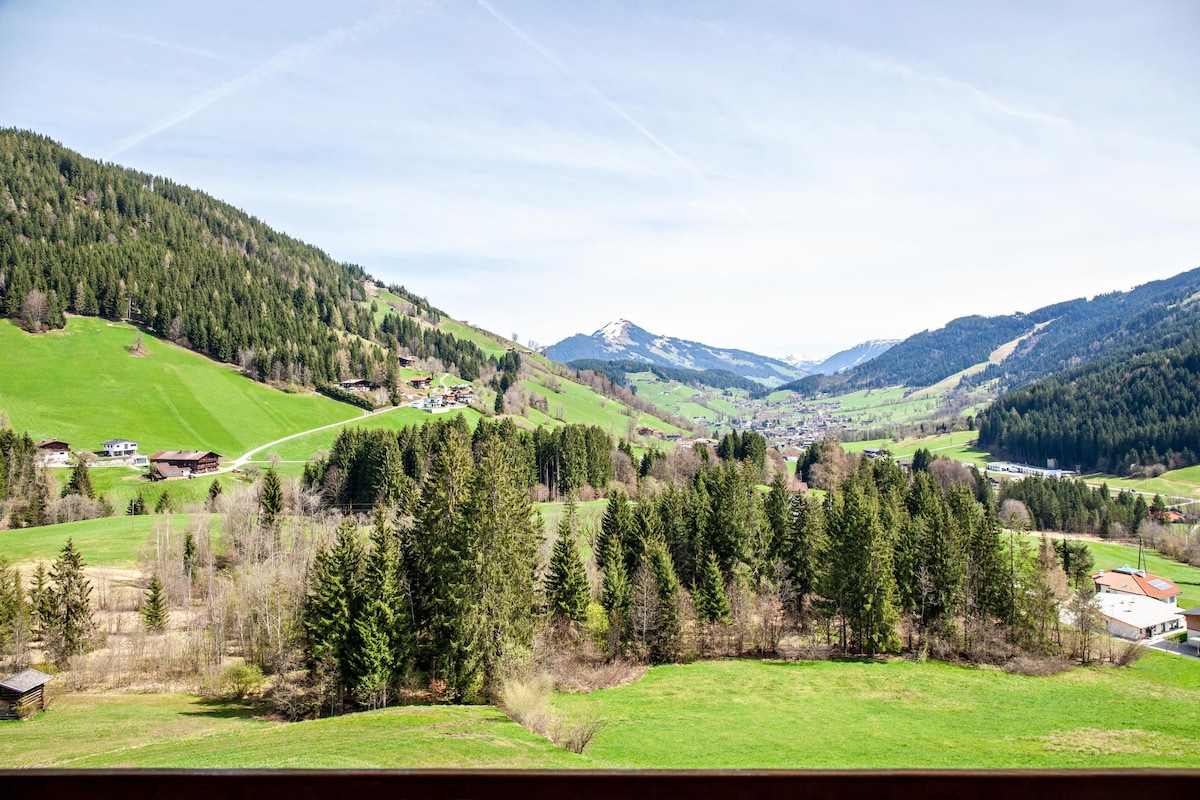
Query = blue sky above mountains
x=782 y=177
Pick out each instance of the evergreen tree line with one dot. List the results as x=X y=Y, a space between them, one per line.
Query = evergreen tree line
x=366 y=468
x=55 y=611
x=1072 y=506
x=98 y=240
x=881 y=549
x=452 y=597
x=1124 y=416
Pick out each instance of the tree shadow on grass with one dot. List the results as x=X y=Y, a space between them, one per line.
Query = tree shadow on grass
x=224 y=708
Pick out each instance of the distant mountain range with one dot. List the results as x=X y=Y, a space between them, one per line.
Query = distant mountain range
x=624 y=341
x=844 y=360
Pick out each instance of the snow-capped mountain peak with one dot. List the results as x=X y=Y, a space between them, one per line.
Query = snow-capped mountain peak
x=616 y=332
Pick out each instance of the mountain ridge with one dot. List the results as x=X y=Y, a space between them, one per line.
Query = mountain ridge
x=624 y=341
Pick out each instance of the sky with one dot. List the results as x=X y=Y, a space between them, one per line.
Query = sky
x=780 y=177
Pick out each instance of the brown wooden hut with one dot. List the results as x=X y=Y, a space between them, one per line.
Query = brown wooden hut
x=22 y=695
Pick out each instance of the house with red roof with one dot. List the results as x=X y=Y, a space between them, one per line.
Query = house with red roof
x=1127 y=580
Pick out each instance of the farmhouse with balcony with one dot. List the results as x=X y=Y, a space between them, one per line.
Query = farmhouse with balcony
x=421 y=383
x=52 y=453
x=182 y=463
x=357 y=385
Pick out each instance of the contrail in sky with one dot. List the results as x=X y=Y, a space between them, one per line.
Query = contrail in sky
x=612 y=106
x=284 y=60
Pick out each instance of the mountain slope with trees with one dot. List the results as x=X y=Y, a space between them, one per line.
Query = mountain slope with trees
x=78 y=236
x=1119 y=415
x=1057 y=337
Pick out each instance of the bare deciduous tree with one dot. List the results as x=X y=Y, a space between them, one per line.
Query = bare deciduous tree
x=35 y=311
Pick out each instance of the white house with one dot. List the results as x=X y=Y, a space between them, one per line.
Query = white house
x=1137 y=617
x=119 y=448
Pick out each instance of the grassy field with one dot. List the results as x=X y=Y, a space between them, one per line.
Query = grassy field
x=109 y=542
x=83 y=386
x=303 y=447
x=723 y=714
x=752 y=714
x=156 y=730
x=581 y=405
x=959 y=446
x=1176 y=483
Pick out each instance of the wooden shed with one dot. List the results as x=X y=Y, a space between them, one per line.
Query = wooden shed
x=22 y=695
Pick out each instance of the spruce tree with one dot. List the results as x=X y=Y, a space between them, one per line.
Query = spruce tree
x=71 y=626
x=214 y=491
x=14 y=611
x=504 y=539
x=80 y=482
x=163 y=505
x=711 y=603
x=437 y=560
x=332 y=605
x=861 y=583
x=664 y=643
x=41 y=602
x=566 y=585
x=189 y=554
x=154 y=607
x=617 y=525
x=616 y=592
x=270 y=496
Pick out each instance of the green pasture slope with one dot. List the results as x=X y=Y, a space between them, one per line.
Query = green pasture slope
x=83 y=386
x=894 y=714
x=107 y=542
x=723 y=714
x=165 y=730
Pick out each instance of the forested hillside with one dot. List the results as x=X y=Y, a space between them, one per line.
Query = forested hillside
x=1120 y=415
x=95 y=239
x=1060 y=336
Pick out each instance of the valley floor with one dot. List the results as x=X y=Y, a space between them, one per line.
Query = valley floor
x=723 y=714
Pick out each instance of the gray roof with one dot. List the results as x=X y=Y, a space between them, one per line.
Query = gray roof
x=24 y=681
x=1191 y=612
x=117 y=441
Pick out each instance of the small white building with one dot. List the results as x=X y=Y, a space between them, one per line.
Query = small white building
x=119 y=448
x=1135 y=617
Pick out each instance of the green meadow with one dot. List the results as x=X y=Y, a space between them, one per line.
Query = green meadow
x=182 y=731
x=739 y=714
x=83 y=386
x=579 y=404
x=107 y=542
x=896 y=714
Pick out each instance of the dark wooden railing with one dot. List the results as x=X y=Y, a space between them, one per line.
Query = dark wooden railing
x=589 y=785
